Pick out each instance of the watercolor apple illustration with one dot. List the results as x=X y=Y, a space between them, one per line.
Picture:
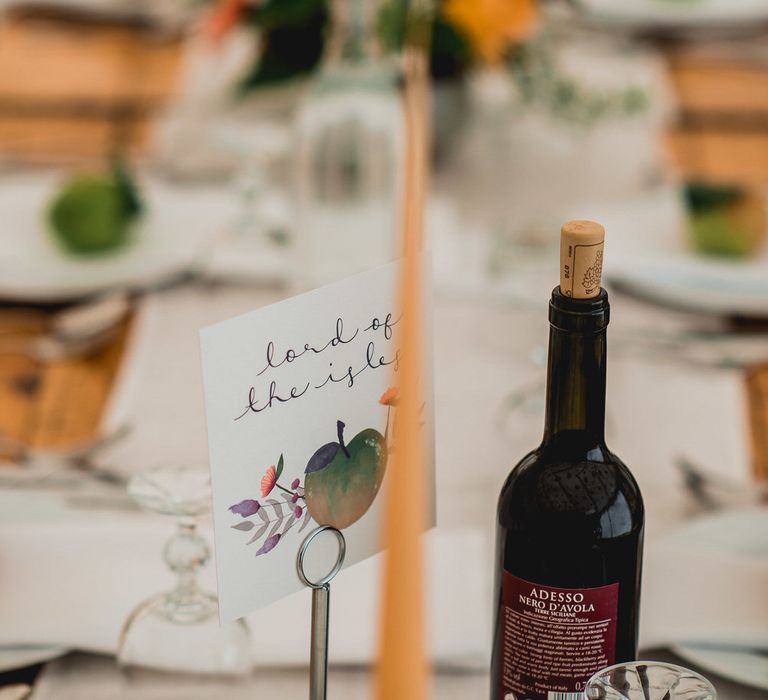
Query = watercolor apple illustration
x=342 y=479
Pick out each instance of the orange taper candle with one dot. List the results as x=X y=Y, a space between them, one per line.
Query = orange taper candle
x=403 y=672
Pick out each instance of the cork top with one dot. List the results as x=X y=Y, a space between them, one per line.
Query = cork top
x=581 y=258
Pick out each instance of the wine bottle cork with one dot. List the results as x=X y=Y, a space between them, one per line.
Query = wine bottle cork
x=581 y=258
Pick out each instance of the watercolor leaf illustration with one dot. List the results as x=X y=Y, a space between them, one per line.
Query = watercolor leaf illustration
x=280 y=465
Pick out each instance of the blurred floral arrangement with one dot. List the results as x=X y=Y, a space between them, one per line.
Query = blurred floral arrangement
x=466 y=34
x=294 y=33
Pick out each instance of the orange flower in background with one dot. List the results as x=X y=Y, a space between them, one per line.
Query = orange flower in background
x=492 y=25
x=389 y=397
x=225 y=15
x=268 y=481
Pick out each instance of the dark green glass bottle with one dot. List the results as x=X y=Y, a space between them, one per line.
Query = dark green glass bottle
x=569 y=529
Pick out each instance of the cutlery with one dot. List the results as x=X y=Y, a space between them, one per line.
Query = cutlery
x=37 y=467
x=714 y=491
x=23 y=454
x=74 y=331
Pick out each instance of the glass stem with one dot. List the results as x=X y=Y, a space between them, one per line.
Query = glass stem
x=185 y=553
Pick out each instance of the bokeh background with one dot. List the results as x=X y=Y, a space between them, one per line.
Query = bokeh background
x=165 y=165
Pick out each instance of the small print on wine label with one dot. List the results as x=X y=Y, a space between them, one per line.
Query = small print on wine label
x=554 y=639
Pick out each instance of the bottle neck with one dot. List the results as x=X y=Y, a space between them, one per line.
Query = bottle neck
x=575 y=411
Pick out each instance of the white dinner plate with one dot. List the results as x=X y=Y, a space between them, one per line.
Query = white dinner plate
x=740 y=666
x=647 y=254
x=743 y=532
x=180 y=224
x=676 y=14
x=696 y=283
x=19 y=657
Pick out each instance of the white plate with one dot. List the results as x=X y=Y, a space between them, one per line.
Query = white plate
x=695 y=283
x=744 y=532
x=740 y=666
x=676 y=14
x=647 y=254
x=19 y=657
x=180 y=223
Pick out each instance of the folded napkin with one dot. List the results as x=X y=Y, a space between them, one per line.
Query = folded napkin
x=70 y=579
x=707 y=583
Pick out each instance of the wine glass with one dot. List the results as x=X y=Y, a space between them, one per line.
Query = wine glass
x=648 y=680
x=174 y=639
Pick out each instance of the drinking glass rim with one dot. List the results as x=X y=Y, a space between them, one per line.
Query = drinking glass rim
x=658 y=664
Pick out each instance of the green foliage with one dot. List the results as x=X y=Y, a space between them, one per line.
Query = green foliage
x=701 y=196
x=294 y=34
x=451 y=52
x=129 y=192
x=278 y=14
x=293 y=41
x=391 y=24
x=541 y=81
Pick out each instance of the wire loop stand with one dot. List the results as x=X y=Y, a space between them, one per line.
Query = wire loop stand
x=321 y=592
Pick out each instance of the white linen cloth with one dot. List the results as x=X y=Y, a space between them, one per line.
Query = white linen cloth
x=72 y=583
x=70 y=577
x=704 y=595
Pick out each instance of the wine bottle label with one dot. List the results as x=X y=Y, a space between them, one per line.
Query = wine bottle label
x=553 y=639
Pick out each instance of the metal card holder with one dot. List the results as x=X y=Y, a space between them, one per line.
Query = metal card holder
x=321 y=594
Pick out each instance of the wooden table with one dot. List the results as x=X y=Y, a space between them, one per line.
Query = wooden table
x=54 y=404
x=75 y=85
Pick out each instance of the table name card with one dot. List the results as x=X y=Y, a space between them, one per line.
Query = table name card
x=300 y=405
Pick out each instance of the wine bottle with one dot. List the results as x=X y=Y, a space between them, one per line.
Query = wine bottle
x=570 y=515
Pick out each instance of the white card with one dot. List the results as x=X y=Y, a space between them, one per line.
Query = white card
x=307 y=379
